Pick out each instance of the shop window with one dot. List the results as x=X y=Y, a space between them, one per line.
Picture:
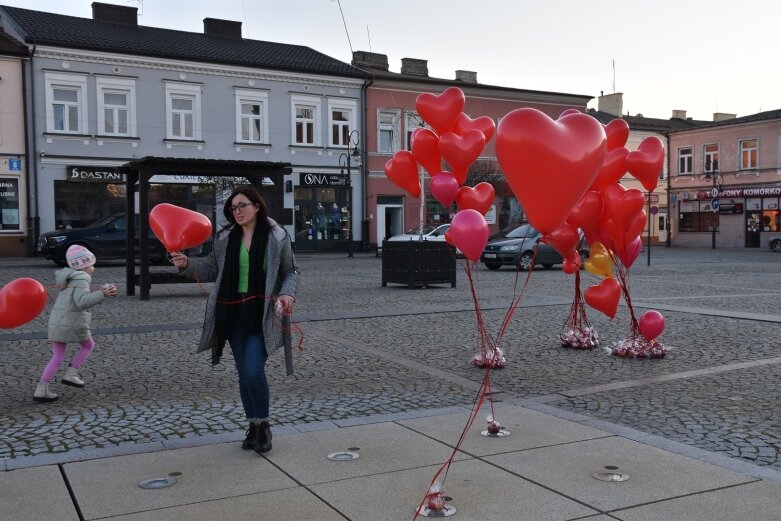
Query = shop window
x=321 y=213
x=77 y=205
x=748 y=154
x=9 y=204
x=387 y=131
x=697 y=216
x=305 y=113
x=251 y=116
x=116 y=106
x=685 y=161
x=436 y=213
x=183 y=111
x=771 y=218
x=66 y=103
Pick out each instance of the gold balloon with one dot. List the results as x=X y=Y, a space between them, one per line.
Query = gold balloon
x=599 y=261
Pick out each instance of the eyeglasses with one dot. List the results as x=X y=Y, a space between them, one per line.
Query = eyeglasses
x=240 y=207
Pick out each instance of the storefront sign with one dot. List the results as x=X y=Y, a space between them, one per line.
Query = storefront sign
x=323 y=180
x=183 y=179
x=9 y=203
x=767 y=191
x=654 y=198
x=728 y=206
x=94 y=174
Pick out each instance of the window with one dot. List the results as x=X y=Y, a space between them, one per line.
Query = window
x=251 y=119
x=411 y=122
x=388 y=131
x=306 y=114
x=685 y=160
x=748 y=154
x=710 y=158
x=66 y=103
x=771 y=217
x=9 y=204
x=183 y=111
x=116 y=106
x=341 y=121
x=697 y=216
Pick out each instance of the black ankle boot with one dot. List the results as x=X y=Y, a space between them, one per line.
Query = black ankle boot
x=252 y=437
x=263 y=441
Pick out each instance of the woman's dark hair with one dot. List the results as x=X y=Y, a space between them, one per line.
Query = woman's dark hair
x=252 y=194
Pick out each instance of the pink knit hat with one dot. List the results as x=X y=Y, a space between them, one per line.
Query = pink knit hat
x=79 y=257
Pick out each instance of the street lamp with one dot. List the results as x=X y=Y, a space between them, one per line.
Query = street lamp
x=345 y=161
x=712 y=174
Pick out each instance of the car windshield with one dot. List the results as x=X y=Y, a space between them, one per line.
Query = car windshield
x=521 y=232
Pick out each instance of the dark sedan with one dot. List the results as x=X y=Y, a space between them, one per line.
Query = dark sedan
x=517 y=248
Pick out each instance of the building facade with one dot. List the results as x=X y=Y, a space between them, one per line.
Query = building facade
x=725 y=182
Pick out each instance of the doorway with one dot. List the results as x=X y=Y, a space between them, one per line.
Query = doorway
x=753 y=227
x=390 y=221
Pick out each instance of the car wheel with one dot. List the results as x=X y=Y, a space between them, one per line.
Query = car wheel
x=525 y=261
x=776 y=245
x=547 y=266
x=492 y=265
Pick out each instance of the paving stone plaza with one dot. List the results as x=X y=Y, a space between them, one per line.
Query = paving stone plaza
x=388 y=351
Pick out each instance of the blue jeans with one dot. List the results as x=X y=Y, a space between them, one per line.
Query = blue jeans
x=249 y=352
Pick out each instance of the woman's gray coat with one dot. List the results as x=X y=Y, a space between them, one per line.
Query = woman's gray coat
x=282 y=277
x=69 y=320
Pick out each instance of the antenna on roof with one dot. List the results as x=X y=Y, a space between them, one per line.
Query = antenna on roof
x=246 y=23
x=614 y=75
x=339 y=3
x=369 y=36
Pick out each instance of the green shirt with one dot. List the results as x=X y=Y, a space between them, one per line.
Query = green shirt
x=243 y=269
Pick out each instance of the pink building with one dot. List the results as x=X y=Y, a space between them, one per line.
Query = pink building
x=390 y=119
x=725 y=176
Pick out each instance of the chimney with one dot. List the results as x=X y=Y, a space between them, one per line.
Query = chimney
x=723 y=116
x=114 y=14
x=466 y=76
x=611 y=103
x=679 y=114
x=414 y=67
x=222 y=28
x=370 y=60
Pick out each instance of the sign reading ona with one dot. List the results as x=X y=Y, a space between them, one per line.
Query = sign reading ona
x=323 y=180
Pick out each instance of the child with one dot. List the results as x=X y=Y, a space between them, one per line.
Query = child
x=70 y=319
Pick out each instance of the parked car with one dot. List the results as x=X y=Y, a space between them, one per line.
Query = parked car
x=517 y=248
x=774 y=243
x=105 y=238
x=430 y=233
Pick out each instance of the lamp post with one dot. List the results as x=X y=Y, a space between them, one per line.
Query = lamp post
x=712 y=174
x=345 y=161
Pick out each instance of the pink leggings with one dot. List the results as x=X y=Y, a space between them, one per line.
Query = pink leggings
x=58 y=355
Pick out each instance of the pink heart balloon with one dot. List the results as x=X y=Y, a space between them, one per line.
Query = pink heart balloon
x=425 y=148
x=645 y=163
x=469 y=233
x=444 y=188
x=441 y=111
x=461 y=151
x=549 y=164
x=484 y=124
x=651 y=324
x=402 y=170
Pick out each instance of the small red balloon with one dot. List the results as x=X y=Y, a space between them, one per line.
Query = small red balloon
x=21 y=300
x=651 y=324
x=179 y=228
x=469 y=233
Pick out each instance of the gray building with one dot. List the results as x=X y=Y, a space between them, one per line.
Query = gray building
x=106 y=91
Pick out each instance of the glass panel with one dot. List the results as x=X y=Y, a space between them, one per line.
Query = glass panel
x=250 y=108
x=310 y=133
x=304 y=113
x=188 y=125
x=182 y=104
x=122 y=117
x=59 y=117
x=299 y=132
x=114 y=98
x=345 y=134
x=66 y=95
x=256 y=127
x=245 y=129
x=176 y=125
x=335 y=134
x=386 y=141
x=73 y=118
x=340 y=115
x=108 y=116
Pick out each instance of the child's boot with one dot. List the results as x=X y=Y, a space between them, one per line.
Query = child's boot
x=72 y=377
x=43 y=395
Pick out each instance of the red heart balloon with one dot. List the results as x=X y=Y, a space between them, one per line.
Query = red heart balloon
x=613 y=168
x=571 y=264
x=623 y=205
x=631 y=252
x=441 y=111
x=568 y=112
x=402 y=170
x=179 y=228
x=21 y=300
x=541 y=157
x=480 y=198
x=588 y=212
x=484 y=124
x=604 y=297
x=563 y=239
x=617 y=237
x=651 y=324
x=617 y=132
x=645 y=163
x=461 y=151
x=425 y=149
x=444 y=188
x=469 y=233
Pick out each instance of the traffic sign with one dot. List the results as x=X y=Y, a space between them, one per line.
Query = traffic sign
x=654 y=210
x=714 y=203
x=714 y=192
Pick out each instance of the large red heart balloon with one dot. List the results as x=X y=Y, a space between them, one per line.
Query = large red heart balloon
x=484 y=124
x=444 y=188
x=402 y=170
x=425 y=149
x=587 y=212
x=645 y=163
x=461 y=151
x=21 y=300
x=651 y=324
x=441 y=111
x=469 y=233
x=563 y=239
x=179 y=228
x=613 y=168
x=604 y=297
x=623 y=205
x=549 y=164
x=617 y=132
x=480 y=198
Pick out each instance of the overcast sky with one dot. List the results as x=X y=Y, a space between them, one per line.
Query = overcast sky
x=702 y=56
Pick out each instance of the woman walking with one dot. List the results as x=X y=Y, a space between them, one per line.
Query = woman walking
x=256 y=278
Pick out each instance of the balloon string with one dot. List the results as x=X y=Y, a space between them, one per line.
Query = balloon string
x=623 y=281
x=516 y=299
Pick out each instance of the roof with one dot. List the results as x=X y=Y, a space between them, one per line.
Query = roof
x=659 y=125
x=751 y=118
x=10 y=46
x=43 y=28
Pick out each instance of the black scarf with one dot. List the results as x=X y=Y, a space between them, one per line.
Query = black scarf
x=256 y=287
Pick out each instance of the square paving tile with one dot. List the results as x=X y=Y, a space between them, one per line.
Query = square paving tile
x=296 y=504
x=528 y=429
x=34 y=494
x=760 y=501
x=383 y=447
x=479 y=492
x=654 y=474
x=109 y=486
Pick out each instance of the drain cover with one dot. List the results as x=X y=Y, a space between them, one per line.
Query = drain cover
x=501 y=434
x=157 y=483
x=427 y=512
x=344 y=455
x=610 y=473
